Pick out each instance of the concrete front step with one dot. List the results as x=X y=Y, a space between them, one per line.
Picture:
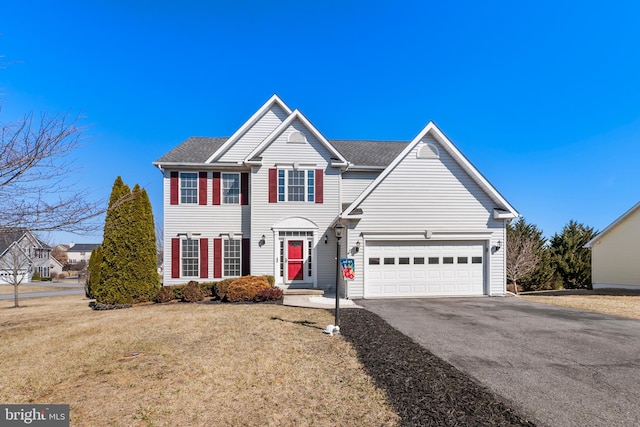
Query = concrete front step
x=314 y=292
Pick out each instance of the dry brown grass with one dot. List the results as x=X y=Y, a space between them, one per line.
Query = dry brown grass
x=185 y=365
x=22 y=289
x=615 y=303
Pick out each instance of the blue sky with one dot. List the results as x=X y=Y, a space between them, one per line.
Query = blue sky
x=543 y=98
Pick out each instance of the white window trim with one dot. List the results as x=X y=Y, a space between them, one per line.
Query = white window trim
x=286 y=172
x=222 y=174
x=182 y=258
x=196 y=188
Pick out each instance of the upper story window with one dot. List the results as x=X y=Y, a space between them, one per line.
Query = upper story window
x=296 y=185
x=188 y=187
x=231 y=188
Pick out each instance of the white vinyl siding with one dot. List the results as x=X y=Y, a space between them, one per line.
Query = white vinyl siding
x=353 y=183
x=255 y=135
x=436 y=195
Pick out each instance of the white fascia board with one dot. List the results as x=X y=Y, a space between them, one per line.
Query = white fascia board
x=502 y=214
x=457 y=156
x=611 y=226
x=421 y=235
x=184 y=165
x=275 y=99
x=296 y=114
x=472 y=170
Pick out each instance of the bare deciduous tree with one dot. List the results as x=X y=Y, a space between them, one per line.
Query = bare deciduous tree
x=522 y=254
x=36 y=189
x=15 y=266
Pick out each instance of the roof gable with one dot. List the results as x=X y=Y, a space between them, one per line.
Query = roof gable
x=614 y=224
x=262 y=111
x=432 y=130
x=295 y=115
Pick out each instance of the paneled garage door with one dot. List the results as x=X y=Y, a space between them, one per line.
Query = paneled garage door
x=407 y=269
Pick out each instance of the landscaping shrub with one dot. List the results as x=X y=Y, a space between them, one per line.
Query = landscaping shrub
x=246 y=288
x=208 y=289
x=177 y=291
x=36 y=276
x=192 y=292
x=271 y=279
x=221 y=288
x=271 y=294
x=53 y=275
x=165 y=294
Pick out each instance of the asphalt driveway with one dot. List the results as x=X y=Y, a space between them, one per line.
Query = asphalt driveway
x=560 y=366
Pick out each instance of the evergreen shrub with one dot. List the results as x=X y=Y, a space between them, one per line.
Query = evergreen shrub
x=246 y=288
x=165 y=294
x=192 y=292
x=271 y=294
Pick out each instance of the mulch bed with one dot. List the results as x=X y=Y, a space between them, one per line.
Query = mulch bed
x=423 y=389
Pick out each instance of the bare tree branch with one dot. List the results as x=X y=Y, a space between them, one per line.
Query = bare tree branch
x=35 y=186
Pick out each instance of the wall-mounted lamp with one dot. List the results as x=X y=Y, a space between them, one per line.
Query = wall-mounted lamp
x=262 y=241
x=499 y=244
x=326 y=239
x=358 y=246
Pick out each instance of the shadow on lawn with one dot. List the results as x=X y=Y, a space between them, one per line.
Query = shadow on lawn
x=307 y=323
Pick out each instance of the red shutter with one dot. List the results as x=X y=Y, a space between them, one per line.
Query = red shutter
x=319 y=186
x=204 y=258
x=217 y=258
x=175 y=258
x=244 y=188
x=216 y=188
x=202 y=188
x=246 y=257
x=273 y=185
x=173 y=197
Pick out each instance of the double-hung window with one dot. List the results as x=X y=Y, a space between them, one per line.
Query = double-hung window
x=231 y=188
x=296 y=185
x=190 y=257
x=188 y=187
x=232 y=258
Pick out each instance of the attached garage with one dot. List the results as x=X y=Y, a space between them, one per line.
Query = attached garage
x=415 y=269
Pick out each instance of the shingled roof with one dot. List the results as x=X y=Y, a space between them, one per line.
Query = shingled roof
x=196 y=149
x=361 y=153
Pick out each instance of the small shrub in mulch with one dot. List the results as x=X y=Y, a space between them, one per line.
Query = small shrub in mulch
x=221 y=289
x=177 y=291
x=100 y=306
x=165 y=294
x=192 y=292
x=208 y=288
x=423 y=389
x=269 y=294
x=246 y=288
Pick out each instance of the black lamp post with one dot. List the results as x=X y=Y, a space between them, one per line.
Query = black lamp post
x=339 y=229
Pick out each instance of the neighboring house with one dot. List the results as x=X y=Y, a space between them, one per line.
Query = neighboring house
x=79 y=252
x=421 y=219
x=21 y=255
x=56 y=267
x=614 y=253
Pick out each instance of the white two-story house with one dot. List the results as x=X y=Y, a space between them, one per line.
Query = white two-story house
x=420 y=219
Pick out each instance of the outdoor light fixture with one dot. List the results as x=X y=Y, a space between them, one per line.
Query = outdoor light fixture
x=358 y=246
x=326 y=239
x=499 y=244
x=262 y=241
x=339 y=229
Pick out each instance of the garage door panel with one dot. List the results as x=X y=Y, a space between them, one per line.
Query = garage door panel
x=424 y=269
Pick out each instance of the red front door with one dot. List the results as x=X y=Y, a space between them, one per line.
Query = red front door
x=295 y=259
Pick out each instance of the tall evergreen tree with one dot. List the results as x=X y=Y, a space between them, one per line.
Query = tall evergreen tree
x=127 y=272
x=571 y=260
x=93 y=271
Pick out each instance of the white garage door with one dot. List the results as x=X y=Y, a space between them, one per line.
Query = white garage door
x=408 y=269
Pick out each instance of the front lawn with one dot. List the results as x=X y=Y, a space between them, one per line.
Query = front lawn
x=615 y=302
x=185 y=364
